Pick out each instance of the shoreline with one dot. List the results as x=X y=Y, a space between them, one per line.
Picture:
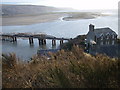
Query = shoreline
x=74 y=17
x=47 y=17
x=28 y=19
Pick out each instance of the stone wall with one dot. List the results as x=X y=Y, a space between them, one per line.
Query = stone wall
x=110 y=50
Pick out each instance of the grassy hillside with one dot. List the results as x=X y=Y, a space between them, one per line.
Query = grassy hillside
x=9 y=10
x=65 y=69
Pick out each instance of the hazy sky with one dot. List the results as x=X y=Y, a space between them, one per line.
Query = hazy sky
x=76 y=4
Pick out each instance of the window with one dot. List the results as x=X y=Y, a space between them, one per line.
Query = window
x=113 y=36
x=113 y=42
x=101 y=43
x=95 y=39
x=107 y=42
x=107 y=36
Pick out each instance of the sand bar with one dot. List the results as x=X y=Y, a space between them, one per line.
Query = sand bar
x=47 y=17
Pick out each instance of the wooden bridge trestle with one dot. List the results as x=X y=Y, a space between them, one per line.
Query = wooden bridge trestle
x=41 y=38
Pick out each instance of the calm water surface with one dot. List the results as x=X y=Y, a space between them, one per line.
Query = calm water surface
x=58 y=28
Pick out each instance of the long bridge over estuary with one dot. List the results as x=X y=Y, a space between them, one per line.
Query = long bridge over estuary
x=41 y=38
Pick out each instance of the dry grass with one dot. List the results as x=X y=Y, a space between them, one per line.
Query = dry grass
x=65 y=69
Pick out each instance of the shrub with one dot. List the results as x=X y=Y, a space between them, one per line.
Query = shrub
x=65 y=69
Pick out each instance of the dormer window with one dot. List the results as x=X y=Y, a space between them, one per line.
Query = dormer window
x=114 y=36
x=101 y=36
x=107 y=35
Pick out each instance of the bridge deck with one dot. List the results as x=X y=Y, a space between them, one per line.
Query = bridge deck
x=39 y=36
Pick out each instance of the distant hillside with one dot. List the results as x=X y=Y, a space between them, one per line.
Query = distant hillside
x=25 y=9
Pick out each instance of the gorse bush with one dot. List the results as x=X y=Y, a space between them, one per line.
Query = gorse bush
x=79 y=40
x=65 y=69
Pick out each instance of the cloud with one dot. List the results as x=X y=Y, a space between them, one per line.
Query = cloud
x=82 y=4
x=77 y=4
x=22 y=1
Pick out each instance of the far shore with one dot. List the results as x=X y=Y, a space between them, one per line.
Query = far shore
x=28 y=19
x=47 y=17
x=83 y=16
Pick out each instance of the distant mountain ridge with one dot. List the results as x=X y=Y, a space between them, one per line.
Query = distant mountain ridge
x=25 y=9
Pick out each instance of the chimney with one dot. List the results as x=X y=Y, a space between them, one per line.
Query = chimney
x=91 y=27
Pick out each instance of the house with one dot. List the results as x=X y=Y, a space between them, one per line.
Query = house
x=100 y=38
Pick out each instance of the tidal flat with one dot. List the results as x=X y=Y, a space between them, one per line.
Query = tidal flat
x=21 y=19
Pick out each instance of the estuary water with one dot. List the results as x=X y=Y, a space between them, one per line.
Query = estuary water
x=58 y=28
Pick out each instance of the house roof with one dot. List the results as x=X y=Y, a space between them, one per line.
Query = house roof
x=99 y=31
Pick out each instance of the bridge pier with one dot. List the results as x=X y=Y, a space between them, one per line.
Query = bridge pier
x=53 y=42
x=39 y=40
x=3 y=38
x=61 y=42
x=42 y=41
x=31 y=41
x=45 y=41
x=15 y=38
